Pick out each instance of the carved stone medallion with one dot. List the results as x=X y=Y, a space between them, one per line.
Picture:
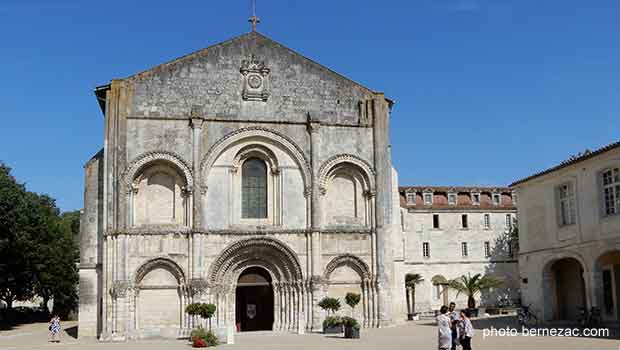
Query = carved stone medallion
x=255 y=80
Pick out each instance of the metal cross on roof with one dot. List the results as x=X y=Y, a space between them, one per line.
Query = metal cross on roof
x=254 y=19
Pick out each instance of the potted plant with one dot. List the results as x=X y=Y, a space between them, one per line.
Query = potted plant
x=332 y=323
x=472 y=285
x=411 y=280
x=351 y=328
x=198 y=336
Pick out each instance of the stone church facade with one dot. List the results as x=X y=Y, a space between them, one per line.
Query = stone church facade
x=243 y=175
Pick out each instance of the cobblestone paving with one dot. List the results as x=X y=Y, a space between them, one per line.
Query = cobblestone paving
x=419 y=336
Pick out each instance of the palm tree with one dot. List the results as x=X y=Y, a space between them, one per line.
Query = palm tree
x=472 y=285
x=411 y=280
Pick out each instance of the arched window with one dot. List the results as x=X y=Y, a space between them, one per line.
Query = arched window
x=254 y=189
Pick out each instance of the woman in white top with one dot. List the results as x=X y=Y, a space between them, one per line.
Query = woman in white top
x=466 y=330
x=444 y=332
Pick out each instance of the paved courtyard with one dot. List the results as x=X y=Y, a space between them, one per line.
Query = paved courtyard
x=421 y=336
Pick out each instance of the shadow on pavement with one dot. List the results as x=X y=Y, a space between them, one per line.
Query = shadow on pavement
x=72 y=331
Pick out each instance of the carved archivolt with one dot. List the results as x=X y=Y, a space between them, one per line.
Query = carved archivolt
x=270 y=253
x=281 y=140
x=335 y=161
x=257 y=151
x=162 y=263
x=352 y=261
x=136 y=166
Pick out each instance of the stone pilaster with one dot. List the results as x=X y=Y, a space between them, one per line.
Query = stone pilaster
x=316 y=213
x=196 y=125
x=383 y=202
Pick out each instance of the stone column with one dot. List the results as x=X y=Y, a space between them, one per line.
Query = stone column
x=316 y=215
x=196 y=125
x=383 y=202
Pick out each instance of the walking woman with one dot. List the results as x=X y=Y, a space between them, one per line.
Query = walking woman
x=466 y=330
x=444 y=333
x=55 y=329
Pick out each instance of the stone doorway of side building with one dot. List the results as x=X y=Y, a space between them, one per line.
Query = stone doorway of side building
x=564 y=290
x=254 y=302
x=608 y=285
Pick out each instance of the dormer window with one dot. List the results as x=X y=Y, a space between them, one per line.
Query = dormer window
x=411 y=198
x=475 y=198
x=428 y=198
x=452 y=198
x=497 y=199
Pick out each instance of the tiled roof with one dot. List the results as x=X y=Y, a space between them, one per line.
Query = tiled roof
x=487 y=206
x=570 y=161
x=453 y=189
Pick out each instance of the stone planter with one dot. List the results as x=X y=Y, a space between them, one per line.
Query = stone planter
x=332 y=330
x=351 y=333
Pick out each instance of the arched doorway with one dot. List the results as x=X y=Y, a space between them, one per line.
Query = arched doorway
x=263 y=260
x=607 y=285
x=159 y=299
x=254 y=300
x=563 y=289
x=440 y=291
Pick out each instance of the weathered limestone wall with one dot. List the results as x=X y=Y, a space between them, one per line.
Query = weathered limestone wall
x=175 y=140
x=543 y=241
x=446 y=258
x=91 y=249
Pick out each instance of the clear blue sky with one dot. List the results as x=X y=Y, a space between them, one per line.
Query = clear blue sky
x=487 y=91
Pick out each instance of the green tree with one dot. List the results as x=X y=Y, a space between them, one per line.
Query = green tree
x=331 y=305
x=205 y=311
x=38 y=251
x=18 y=224
x=411 y=281
x=352 y=299
x=472 y=285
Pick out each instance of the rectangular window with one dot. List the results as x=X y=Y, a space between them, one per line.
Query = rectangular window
x=452 y=198
x=487 y=221
x=428 y=199
x=508 y=222
x=611 y=191
x=497 y=199
x=464 y=249
x=426 y=250
x=566 y=204
x=487 y=249
x=436 y=221
x=509 y=248
x=475 y=198
x=464 y=221
x=411 y=198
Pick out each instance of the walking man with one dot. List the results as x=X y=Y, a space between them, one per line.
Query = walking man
x=454 y=320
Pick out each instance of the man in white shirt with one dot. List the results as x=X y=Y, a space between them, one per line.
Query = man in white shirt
x=455 y=318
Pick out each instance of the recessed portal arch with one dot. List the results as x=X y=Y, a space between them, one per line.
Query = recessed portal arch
x=254 y=300
x=564 y=291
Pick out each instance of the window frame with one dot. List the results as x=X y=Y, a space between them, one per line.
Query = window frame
x=474 y=195
x=438 y=226
x=244 y=187
x=614 y=189
x=453 y=195
x=486 y=221
x=407 y=198
x=426 y=249
x=464 y=250
x=431 y=197
x=464 y=222
x=567 y=204
x=499 y=199
x=487 y=249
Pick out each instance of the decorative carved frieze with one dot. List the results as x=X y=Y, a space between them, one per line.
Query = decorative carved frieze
x=120 y=288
